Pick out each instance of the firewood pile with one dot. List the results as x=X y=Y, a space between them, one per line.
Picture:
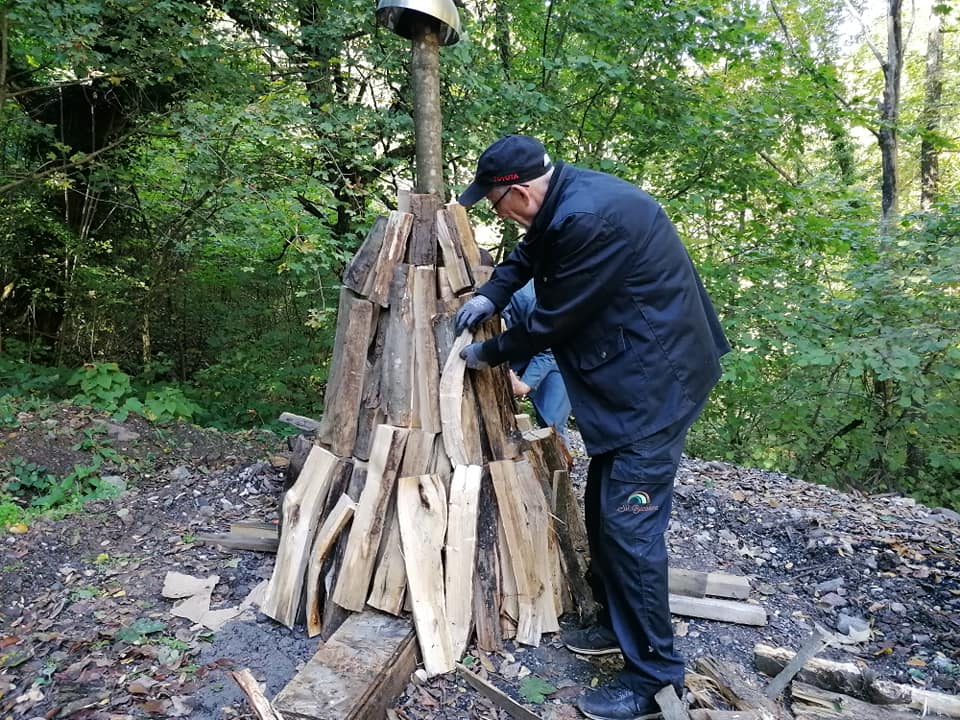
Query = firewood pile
x=425 y=492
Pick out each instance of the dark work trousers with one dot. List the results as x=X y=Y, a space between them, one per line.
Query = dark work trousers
x=627 y=507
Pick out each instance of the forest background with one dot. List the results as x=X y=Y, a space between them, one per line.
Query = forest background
x=182 y=181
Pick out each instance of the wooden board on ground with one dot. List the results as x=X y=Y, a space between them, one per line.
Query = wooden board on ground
x=813 y=645
x=422 y=511
x=242 y=540
x=353 y=580
x=301 y=514
x=672 y=707
x=496 y=695
x=356 y=674
x=707 y=714
x=737 y=692
x=701 y=584
x=251 y=688
x=718 y=609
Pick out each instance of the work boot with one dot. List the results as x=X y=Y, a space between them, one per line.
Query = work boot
x=593 y=640
x=617 y=701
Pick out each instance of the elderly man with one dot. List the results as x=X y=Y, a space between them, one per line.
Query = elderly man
x=638 y=344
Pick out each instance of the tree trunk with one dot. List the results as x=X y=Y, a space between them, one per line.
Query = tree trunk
x=889 y=115
x=425 y=78
x=929 y=154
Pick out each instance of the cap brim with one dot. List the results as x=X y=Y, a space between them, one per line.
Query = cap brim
x=474 y=193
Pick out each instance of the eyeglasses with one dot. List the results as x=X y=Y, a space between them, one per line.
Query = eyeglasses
x=504 y=194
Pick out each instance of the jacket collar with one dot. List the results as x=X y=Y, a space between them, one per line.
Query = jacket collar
x=550 y=201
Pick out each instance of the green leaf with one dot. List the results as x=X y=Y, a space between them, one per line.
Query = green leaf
x=138 y=630
x=534 y=689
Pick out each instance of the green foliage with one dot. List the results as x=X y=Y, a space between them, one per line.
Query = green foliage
x=33 y=488
x=102 y=385
x=535 y=690
x=136 y=633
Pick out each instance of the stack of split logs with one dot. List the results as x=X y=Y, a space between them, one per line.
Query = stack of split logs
x=425 y=492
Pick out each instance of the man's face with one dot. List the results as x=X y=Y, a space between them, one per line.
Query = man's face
x=513 y=203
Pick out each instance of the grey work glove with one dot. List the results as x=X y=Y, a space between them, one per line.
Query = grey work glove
x=473 y=354
x=474 y=311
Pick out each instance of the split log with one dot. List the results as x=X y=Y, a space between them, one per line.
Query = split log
x=851 y=679
x=457 y=274
x=813 y=703
x=356 y=674
x=670 y=704
x=524 y=423
x=451 y=396
x=372 y=412
x=496 y=404
x=251 y=688
x=538 y=517
x=457 y=214
x=461 y=552
x=509 y=596
x=422 y=248
x=327 y=535
x=422 y=511
x=737 y=692
x=338 y=429
x=241 y=537
x=707 y=714
x=301 y=514
x=307 y=424
x=718 y=609
x=377 y=288
x=353 y=580
x=487 y=578
x=398 y=351
x=390 y=577
x=520 y=543
x=427 y=371
x=363 y=264
x=814 y=644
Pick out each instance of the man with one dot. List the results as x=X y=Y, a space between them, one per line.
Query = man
x=638 y=344
x=538 y=377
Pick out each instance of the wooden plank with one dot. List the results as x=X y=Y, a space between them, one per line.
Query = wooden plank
x=240 y=541
x=509 y=597
x=457 y=213
x=422 y=248
x=394 y=247
x=813 y=645
x=520 y=543
x=390 y=577
x=708 y=714
x=327 y=535
x=398 y=351
x=422 y=511
x=301 y=514
x=451 y=397
x=524 y=423
x=486 y=578
x=718 y=609
x=338 y=429
x=670 y=704
x=813 y=703
x=426 y=368
x=541 y=530
x=497 y=406
x=737 y=692
x=496 y=696
x=461 y=552
x=457 y=274
x=353 y=580
x=364 y=262
x=700 y=584
x=356 y=674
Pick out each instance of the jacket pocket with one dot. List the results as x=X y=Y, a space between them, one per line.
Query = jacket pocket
x=603 y=350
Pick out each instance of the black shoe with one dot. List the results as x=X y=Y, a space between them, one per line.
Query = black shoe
x=593 y=640
x=616 y=701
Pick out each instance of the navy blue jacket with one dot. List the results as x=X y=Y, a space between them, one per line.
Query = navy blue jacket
x=618 y=300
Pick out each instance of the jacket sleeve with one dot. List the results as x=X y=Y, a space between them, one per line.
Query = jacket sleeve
x=590 y=262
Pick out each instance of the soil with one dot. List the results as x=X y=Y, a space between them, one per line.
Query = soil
x=85 y=631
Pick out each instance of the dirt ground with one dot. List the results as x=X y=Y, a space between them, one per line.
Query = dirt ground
x=85 y=631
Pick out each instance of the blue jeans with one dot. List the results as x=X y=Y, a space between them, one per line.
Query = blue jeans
x=627 y=507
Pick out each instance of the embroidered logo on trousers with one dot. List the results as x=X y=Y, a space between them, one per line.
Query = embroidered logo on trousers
x=638 y=502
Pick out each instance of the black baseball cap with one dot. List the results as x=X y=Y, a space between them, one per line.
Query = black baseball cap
x=510 y=160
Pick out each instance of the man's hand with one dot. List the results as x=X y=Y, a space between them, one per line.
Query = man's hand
x=519 y=387
x=474 y=356
x=474 y=311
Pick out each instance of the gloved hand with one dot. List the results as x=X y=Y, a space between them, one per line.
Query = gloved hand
x=474 y=311
x=473 y=354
